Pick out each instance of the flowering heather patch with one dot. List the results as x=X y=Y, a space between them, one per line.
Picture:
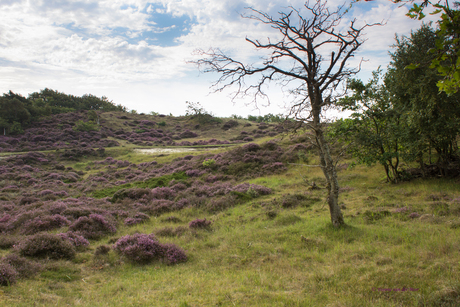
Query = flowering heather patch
x=163 y=193
x=74 y=238
x=57 y=207
x=24 y=267
x=44 y=223
x=44 y=245
x=199 y=224
x=140 y=248
x=221 y=203
x=179 y=187
x=45 y=192
x=188 y=134
x=159 y=207
x=8 y=274
x=414 y=215
x=402 y=210
x=133 y=194
x=93 y=227
x=251 y=147
x=10 y=188
x=130 y=221
x=173 y=254
x=61 y=194
x=77 y=212
x=194 y=173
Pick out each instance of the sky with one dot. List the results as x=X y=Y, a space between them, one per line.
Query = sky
x=138 y=52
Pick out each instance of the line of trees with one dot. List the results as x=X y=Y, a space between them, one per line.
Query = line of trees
x=16 y=111
x=405 y=116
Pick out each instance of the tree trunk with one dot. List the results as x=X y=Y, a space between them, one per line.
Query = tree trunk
x=330 y=173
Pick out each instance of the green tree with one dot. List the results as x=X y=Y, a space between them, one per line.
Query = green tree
x=446 y=52
x=374 y=129
x=432 y=117
x=4 y=125
x=16 y=128
x=13 y=108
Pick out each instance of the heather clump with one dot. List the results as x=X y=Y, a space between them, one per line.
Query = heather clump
x=46 y=245
x=134 y=194
x=23 y=266
x=217 y=204
x=173 y=254
x=8 y=241
x=95 y=226
x=8 y=274
x=138 y=218
x=77 y=240
x=200 y=224
x=159 y=207
x=44 y=223
x=171 y=232
x=144 y=249
x=163 y=193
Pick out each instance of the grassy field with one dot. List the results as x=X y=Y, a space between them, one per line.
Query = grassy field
x=400 y=248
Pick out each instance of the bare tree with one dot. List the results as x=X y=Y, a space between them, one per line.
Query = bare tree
x=295 y=60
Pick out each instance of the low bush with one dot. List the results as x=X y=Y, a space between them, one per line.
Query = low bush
x=199 y=224
x=45 y=245
x=93 y=227
x=78 y=241
x=23 y=266
x=173 y=254
x=8 y=241
x=8 y=275
x=44 y=223
x=140 y=248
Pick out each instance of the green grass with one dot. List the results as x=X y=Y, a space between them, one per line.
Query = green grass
x=294 y=258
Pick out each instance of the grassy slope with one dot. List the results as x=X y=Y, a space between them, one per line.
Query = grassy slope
x=252 y=258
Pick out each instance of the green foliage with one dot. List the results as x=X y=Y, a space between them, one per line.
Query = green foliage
x=404 y=117
x=85 y=126
x=58 y=100
x=16 y=128
x=268 y=118
x=16 y=108
x=162 y=123
x=92 y=116
x=374 y=130
x=430 y=117
x=446 y=51
x=209 y=163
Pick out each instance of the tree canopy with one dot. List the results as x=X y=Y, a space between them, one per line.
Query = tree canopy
x=405 y=116
x=446 y=51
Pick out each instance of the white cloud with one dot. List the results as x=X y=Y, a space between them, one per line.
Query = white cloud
x=101 y=46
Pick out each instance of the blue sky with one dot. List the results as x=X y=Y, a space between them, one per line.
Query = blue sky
x=135 y=52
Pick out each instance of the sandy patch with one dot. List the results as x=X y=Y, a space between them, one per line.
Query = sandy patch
x=165 y=150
